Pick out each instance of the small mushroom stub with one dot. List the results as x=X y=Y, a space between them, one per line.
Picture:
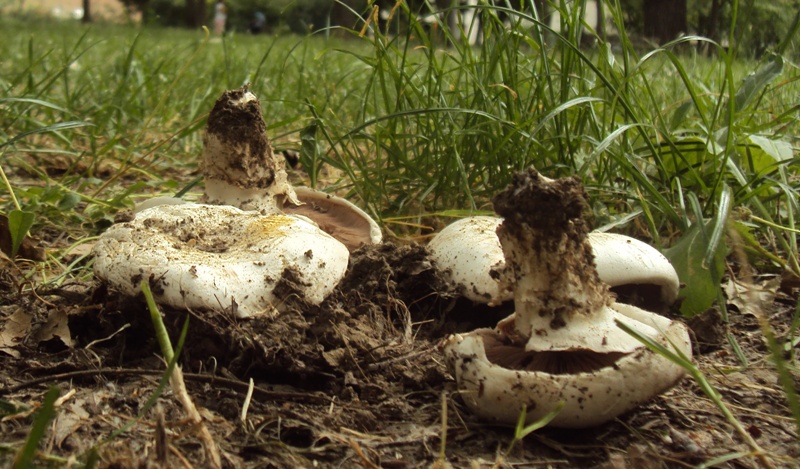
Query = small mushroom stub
x=218 y=257
x=562 y=343
x=239 y=166
x=468 y=250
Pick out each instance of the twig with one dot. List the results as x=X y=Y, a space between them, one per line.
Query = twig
x=199 y=377
x=233 y=384
x=246 y=404
x=382 y=364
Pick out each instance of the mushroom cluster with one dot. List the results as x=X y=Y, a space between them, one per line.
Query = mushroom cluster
x=562 y=344
x=231 y=251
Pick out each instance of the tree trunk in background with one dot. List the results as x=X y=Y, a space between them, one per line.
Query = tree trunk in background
x=709 y=24
x=601 y=19
x=87 y=12
x=195 y=13
x=341 y=14
x=664 y=20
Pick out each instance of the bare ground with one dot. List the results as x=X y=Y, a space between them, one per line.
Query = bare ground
x=356 y=382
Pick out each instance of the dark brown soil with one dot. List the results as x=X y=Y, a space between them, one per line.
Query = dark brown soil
x=355 y=382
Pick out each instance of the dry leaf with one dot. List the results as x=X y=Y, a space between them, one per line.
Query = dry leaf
x=748 y=298
x=15 y=328
x=57 y=326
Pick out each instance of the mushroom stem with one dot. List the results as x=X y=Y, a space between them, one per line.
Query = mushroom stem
x=239 y=166
x=550 y=267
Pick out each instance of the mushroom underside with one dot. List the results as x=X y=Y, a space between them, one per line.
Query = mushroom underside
x=336 y=216
x=496 y=380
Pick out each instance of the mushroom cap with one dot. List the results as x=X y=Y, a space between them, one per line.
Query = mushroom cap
x=468 y=250
x=219 y=257
x=622 y=260
x=336 y=216
x=595 y=388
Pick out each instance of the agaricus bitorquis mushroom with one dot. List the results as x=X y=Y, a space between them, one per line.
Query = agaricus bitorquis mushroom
x=230 y=253
x=562 y=343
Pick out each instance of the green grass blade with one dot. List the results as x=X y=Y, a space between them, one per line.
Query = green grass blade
x=41 y=421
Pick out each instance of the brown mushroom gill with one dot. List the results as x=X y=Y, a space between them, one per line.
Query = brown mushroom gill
x=340 y=220
x=503 y=352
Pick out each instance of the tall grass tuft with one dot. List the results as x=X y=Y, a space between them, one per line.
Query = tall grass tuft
x=443 y=124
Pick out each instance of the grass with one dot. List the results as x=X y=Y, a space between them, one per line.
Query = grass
x=689 y=151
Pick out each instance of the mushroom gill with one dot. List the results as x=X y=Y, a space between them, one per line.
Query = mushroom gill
x=503 y=352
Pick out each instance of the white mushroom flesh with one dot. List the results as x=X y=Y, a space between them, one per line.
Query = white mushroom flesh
x=218 y=257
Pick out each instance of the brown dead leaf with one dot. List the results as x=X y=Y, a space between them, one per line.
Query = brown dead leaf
x=15 y=328
x=78 y=251
x=71 y=418
x=57 y=326
x=748 y=298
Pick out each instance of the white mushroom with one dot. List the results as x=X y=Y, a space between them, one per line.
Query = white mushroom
x=562 y=343
x=240 y=169
x=468 y=250
x=218 y=256
x=625 y=261
x=239 y=166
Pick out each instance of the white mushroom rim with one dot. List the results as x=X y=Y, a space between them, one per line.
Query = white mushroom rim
x=562 y=343
x=496 y=378
x=219 y=257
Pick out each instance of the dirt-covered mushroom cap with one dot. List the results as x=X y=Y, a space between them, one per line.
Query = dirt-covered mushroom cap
x=216 y=255
x=625 y=261
x=468 y=250
x=562 y=343
x=219 y=257
x=336 y=216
